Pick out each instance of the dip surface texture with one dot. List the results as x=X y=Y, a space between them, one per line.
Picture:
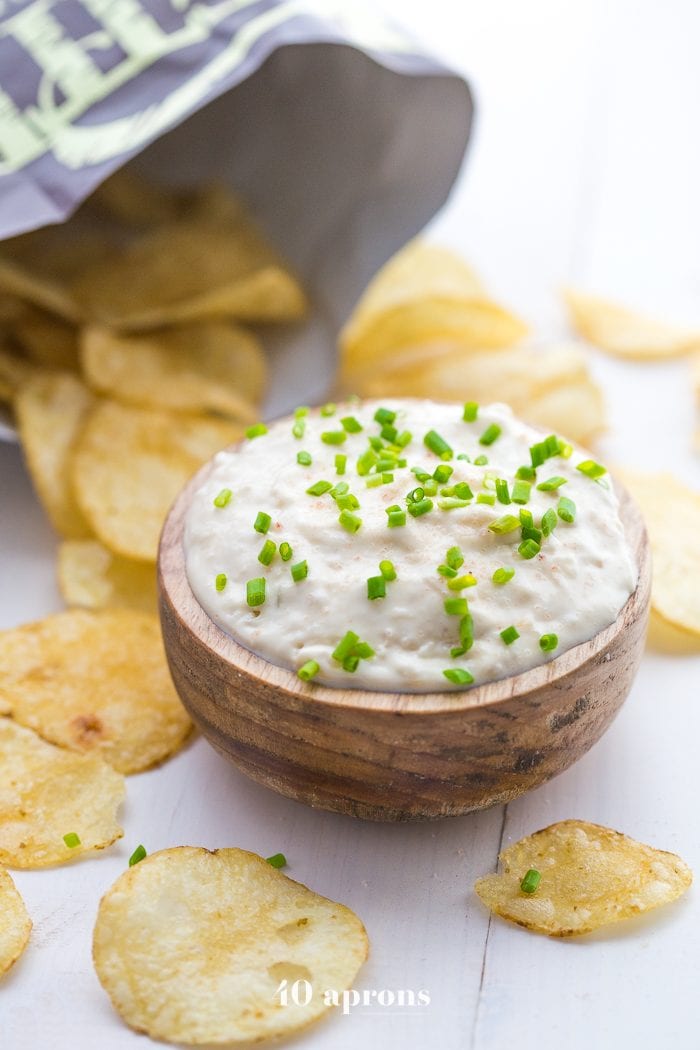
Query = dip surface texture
x=570 y=582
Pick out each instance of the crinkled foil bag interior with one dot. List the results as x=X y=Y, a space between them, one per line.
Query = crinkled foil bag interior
x=341 y=134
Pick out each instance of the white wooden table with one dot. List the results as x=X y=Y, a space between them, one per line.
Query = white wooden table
x=584 y=168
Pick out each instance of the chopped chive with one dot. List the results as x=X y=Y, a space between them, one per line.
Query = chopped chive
x=421 y=507
x=507 y=523
x=430 y=487
x=415 y=495
x=137 y=856
x=458 y=675
x=374 y=481
x=257 y=430
x=404 y=438
x=492 y=432
x=481 y=461
x=502 y=494
x=389 y=433
x=351 y=663
x=304 y=459
x=437 y=444
x=591 y=469
x=531 y=533
x=387 y=570
x=456 y=606
x=530 y=881
x=298 y=429
x=319 y=488
x=278 y=860
x=340 y=462
x=528 y=549
x=464 y=456
x=460 y=582
x=454 y=558
x=71 y=839
x=471 y=411
x=340 y=489
x=521 y=491
x=526 y=518
x=551 y=445
x=223 y=498
x=345 y=646
x=363 y=650
x=462 y=491
x=537 y=455
x=447 y=571
x=509 y=635
x=328 y=410
x=442 y=473
x=452 y=503
x=352 y=425
x=255 y=591
x=466 y=631
x=421 y=474
x=397 y=517
x=349 y=521
x=551 y=484
x=220 y=581
x=366 y=461
x=308 y=670
x=333 y=437
x=285 y=551
x=262 y=522
x=548 y=642
x=376 y=587
x=376 y=442
x=267 y=553
x=549 y=522
x=387 y=478
x=300 y=411
x=299 y=571
x=565 y=449
x=566 y=509
x=486 y=497
x=384 y=415
x=526 y=473
x=347 y=501
x=502 y=575
x=457 y=650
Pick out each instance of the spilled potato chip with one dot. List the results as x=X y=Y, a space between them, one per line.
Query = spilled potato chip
x=129 y=465
x=46 y=793
x=15 y=924
x=51 y=408
x=47 y=340
x=624 y=332
x=93 y=577
x=672 y=514
x=95 y=682
x=192 y=945
x=591 y=876
x=206 y=367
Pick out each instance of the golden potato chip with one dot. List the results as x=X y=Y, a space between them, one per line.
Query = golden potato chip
x=93 y=577
x=51 y=408
x=47 y=340
x=575 y=409
x=192 y=947
x=192 y=270
x=129 y=198
x=129 y=465
x=672 y=515
x=591 y=876
x=207 y=367
x=95 y=682
x=15 y=924
x=624 y=332
x=46 y=793
x=14 y=371
x=10 y=308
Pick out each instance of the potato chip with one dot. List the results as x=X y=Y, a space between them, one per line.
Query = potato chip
x=11 y=308
x=51 y=408
x=93 y=577
x=46 y=793
x=130 y=199
x=192 y=946
x=47 y=340
x=15 y=924
x=574 y=409
x=129 y=465
x=672 y=515
x=624 y=332
x=14 y=371
x=195 y=269
x=95 y=682
x=206 y=367
x=591 y=876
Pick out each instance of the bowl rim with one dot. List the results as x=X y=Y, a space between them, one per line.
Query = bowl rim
x=224 y=647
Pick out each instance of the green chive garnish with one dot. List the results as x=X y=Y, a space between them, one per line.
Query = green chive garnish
x=307 y=671
x=220 y=581
x=486 y=497
x=278 y=860
x=299 y=571
x=566 y=509
x=304 y=459
x=526 y=473
x=447 y=571
x=138 y=855
x=298 y=429
x=319 y=488
x=257 y=430
x=71 y=839
x=384 y=415
x=454 y=558
x=492 y=432
x=420 y=507
x=456 y=606
x=389 y=433
x=466 y=631
x=300 y=411
x=520 y=492
x=366 y=461
x=262 y=522
x=528 y=549
x=502 y=575
x=404 y=438
x=481 y=461
x=340 y=462
x=376 y=587
x=471 y=411
x=502 y=493
x=328 y=410
x=549 y=522
x=437 y=444
x=267 y=553
x=458 y=675
x=396 y=516
x=591 y=469
x=223 y=498
x=551 y=484
x=285 y=551
x=531 y=533
x=509 y=635
x=531 y=881
x=450 y=503
x=352 y=425
x=345 y=646
x=333 y=437
x=387 y=570
x=548 y=642
x=505 y=524
x=349 y=521
x=255 y=591
x=462 y=491
x=459 y=583
x=442 y=473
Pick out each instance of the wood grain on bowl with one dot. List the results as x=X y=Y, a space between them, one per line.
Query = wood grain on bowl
x=396 y=756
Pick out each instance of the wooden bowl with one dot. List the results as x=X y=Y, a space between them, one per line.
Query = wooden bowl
x=396 y=756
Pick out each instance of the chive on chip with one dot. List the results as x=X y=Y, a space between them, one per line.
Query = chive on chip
x=509 y=635
x=438 y=445
x=262 y=522
x=71 y=839
x=304 y=459
x=286 y=551
x=458 y=675
x=530 y=880
x=548 y=643
x=220 y=581
x=503 y=575
x=492 y=432
x=566 y=509
x=376 y=587
x=267 y=553
x=507 y=523
x=308 y=671
x=223 y=498
x=137 y=856
x=471 y=411
x=255 y=591
x=278 y=860
x=551 y=484
x=591 y=469
x=299 y=571
x=257 y=430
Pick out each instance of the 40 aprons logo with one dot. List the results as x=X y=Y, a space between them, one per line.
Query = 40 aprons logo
x=301 y=992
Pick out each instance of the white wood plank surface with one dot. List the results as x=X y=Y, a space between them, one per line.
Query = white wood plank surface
x=584 y=168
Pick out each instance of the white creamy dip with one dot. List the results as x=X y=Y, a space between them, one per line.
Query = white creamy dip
x=574 y=586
